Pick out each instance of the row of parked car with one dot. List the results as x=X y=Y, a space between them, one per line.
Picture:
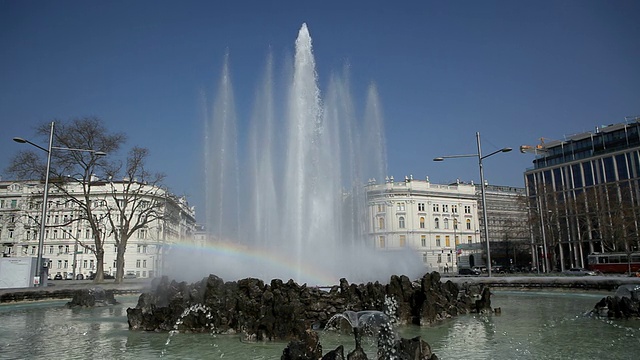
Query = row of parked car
x=69 y=276
x=499 y=269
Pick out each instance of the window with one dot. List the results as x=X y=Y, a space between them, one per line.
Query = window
x=468 y=239
x=448 y=258
x=438 y=240
x=55 y=234
x=33 y=250
x=91 y=264
x=468 y=224
x=455 y=224
x=59 y=264
x=142 y=234
x=447 y=241
x=457 y=240
x=380 y=207
x=439 y=258
x=467 y=209
x=51 y=249
x=423 y=240
x=422 y=222
x=445 y=208
x=436 y=208
x=454 y=209
x=401 y=222
x=381 y=223
x=66 y=264
x=66 y=249
x=138 y=263
x=400 y=206
x=446 y=223
x=381 y=241
x=85 y=263
x=420 y=206
x=144 y=263
x=437 y=223
x=403 y=240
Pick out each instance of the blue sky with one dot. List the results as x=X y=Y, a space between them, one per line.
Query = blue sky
x=515 y=71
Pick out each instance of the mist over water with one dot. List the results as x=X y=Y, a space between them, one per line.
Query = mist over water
x=298 y=210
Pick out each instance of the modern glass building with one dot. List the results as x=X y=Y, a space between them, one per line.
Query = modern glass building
x=583 y=195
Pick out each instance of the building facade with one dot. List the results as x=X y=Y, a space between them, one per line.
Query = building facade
x=509 y=231
x=68 y=244
x=438 y=221
x=583 y=195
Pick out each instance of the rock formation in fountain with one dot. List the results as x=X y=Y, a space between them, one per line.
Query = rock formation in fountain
x=285 y=311
x=92 y=297
x=625 y=304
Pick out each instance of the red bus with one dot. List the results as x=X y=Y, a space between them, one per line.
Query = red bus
x=613 y=262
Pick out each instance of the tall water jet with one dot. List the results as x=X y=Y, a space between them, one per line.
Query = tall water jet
x=300 y=213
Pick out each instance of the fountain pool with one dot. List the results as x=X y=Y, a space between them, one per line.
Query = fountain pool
x=533 y=325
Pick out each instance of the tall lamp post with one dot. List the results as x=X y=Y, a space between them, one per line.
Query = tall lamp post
x=45 y=197
x=484 y=198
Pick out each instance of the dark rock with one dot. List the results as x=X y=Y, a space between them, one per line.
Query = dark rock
x=92 y=297
x=414 y=349
x=308 y=348
x=285 y=310
x=337 y=354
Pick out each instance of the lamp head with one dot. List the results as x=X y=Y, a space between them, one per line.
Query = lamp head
x=100 y=153
x=19 y=140
x=507 y=149
x=438 y=159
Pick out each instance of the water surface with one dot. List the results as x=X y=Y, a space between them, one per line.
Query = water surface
x=533 y=325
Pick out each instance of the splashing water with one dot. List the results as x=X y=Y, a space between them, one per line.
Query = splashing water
x=301 y=195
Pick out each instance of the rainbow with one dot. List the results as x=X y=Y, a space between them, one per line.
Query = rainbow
x=279 y=265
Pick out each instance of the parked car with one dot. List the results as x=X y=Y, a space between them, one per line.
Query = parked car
x=130 y=275
x=579 y=272
x=468 y=271
x=499 y=269
x=58 y=276
x=69 y=276
x=79 y=277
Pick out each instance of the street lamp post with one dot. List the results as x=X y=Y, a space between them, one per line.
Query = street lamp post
x=45 y=197
x=482 y=190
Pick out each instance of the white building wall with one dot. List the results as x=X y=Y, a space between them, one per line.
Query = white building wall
x=20 y=211
x=395 y=213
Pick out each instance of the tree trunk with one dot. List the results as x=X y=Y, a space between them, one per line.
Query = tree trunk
x=120 y=262
x=99 y=266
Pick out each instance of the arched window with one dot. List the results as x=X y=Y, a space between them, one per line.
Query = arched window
x=401 y=222
x=422 y=222
x=437 y=223
x=446 y=223
x=381 y=223
x=468 y=224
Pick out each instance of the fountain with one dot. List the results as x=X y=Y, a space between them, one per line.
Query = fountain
x=290 y=191
x=360 y=321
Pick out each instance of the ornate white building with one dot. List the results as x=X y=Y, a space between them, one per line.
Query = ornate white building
x=66 y=245
x=439 y=221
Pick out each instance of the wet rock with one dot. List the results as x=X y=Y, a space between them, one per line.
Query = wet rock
x=307 y=348
x=285 y=310
x=92 y=297
x=414 y=349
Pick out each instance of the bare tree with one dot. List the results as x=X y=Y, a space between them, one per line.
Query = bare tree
x=137 y=201
x=86 y=167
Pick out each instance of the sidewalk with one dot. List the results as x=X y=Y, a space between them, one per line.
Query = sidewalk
x=64 y=289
